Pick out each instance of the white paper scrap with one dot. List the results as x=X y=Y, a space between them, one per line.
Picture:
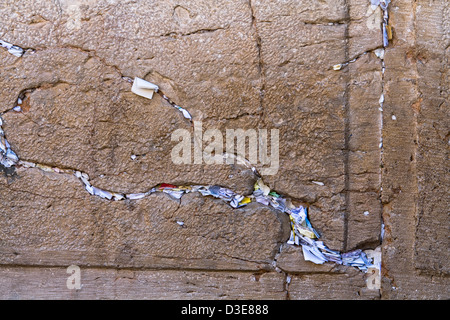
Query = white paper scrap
x=379 y=53
x=381 y=100
x=135 y=196
x=186 y=114
x=310 y=256
x=118 y=196
x=144 y=88
x=102 y=193
x=11 y=155
x=16 y=51
x=89 y=189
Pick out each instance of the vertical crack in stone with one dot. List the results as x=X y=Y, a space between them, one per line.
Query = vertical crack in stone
x=349 y=257
x=287 y=282
x=385 y=213
x=346 y=129
x=262 y=76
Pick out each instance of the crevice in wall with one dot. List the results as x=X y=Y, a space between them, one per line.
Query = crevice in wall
x=276 y=201
x=346 y=130
x=379 y=51
x=198 y=31
x=261 y=72
x=342 y=65
x=302 y=232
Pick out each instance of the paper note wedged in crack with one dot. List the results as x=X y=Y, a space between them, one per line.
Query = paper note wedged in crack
x=144 y=88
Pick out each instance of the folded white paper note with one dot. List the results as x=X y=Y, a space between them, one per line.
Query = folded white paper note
x=144 y=88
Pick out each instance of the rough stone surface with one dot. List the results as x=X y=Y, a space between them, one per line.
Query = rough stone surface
x=241 y=64
x=18 y=283
x=142 y=233
x=415 y=197
x=348 y=286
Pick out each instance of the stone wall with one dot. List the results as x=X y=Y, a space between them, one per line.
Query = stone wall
x=373 y=175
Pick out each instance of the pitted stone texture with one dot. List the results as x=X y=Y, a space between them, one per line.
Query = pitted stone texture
x=50 y=283
x=318 y=110
x=83 y=116
x=348 y=286
x=201 y=55
x=232 y=64
x=433 y=115
x=260 y=65
x=61 y=224
x=415 y=206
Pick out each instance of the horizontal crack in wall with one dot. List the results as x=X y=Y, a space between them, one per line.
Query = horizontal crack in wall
x=302 y=232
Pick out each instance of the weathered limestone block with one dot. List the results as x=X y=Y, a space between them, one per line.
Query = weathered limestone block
x=433 y=123
x=61 y=224
x=50 y=283
x=348 y=286
x=241 y=64
x=415 y=206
